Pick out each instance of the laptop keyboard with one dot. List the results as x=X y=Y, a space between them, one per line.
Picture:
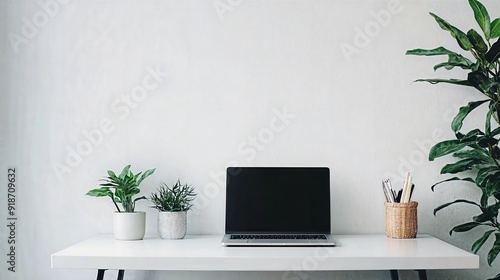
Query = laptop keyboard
x=278 y=236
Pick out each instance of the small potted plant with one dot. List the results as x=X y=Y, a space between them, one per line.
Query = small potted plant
x=173 y=204
x=127 y=223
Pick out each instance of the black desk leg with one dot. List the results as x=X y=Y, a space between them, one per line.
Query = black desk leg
x=100 y=274
x=422 y=274
x=121 y=272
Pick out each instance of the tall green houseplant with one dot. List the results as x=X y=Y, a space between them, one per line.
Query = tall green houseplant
x=476 y=153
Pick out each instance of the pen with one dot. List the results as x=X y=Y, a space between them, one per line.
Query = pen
x=386 y=186
x=398 y=198
x=406 y=188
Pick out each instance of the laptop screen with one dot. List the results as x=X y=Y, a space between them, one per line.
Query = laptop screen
x=278 y=200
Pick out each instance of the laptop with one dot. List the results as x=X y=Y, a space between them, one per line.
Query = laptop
x=278 y=206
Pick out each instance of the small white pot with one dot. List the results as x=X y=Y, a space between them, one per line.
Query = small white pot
x=129 y=225
x=172 y=225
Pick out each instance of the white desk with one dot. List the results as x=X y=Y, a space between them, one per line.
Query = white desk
x=205 y=253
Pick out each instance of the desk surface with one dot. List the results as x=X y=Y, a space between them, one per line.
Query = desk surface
x=205 y=253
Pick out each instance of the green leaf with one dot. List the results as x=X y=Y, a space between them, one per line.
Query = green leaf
x=133 y=178
x=446 y=81
x=459 y=166
x=125 y=171
x=479 y=243
x=465 y=227
x=111 y=185
x=489 y=215
x=495 y=131
x=481 y=218
x=470 y=136
x=486 y=142
x=459 y=35
x=491 y=185
x=477 y=41
x=453 y=202
x=495 y=249
x=450 y=65
x=446 y=147
x=482 y=17
x=111 y=174
x=436 y=51
x=491 y=87
x=132 y=192
x=484 y=173
x=145 y=175
x=484 y=200
x=104 y=191
x=495 y=29
x=487 y=125
x=454 y=59
x=100 y=192
x=495 y=153
x=457 y=122
x=472 y=154
x=494 y=53
x=481 y=82
x=495 y=278
x=452 y=179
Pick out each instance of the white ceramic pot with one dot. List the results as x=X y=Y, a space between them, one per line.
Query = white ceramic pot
x=172 y=225
x=129 y=225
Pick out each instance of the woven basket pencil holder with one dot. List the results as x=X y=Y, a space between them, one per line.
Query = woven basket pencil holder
x=401 y=220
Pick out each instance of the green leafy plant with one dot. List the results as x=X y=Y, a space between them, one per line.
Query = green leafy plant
x=476 y=153
x=175 y=199
x=122 y=188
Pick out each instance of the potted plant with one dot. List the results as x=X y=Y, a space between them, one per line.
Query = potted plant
x=127 y=223
x=476 y=152
x=173 y=204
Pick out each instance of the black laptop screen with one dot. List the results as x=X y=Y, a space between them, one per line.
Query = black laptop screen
x=278 y=200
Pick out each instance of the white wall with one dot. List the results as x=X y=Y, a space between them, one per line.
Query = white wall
x=219 y=79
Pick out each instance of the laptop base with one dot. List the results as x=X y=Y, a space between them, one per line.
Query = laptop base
x=328 y=242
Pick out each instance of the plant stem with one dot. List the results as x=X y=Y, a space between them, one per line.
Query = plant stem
x=116 y=205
